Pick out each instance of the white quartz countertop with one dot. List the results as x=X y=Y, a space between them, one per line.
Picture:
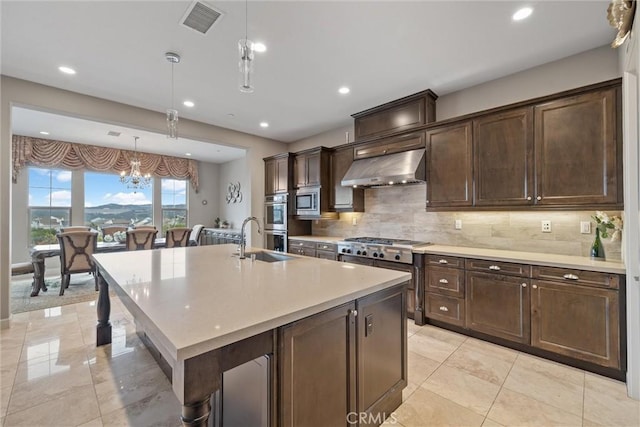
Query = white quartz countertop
x=534 y=258
x=200 y=298
x=323 y=239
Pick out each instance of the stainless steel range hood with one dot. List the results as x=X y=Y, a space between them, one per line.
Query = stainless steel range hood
x=399 y=168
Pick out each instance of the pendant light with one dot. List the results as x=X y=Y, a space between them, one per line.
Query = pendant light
x=172 y=113
x=135 y=180
x=246 y=50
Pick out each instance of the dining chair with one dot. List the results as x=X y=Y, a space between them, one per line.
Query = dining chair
x=177 y=237
x=140 y=238
x=76 y=248
x=75 y=228
x=194 y=237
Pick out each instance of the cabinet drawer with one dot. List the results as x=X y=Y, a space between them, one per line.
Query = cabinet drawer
x=511 y=269
x=389 y=146
x=588 y=278
x=301 y=244
x=321 y=246
x=303 y=251
x=446 y=281
x=326 y=254
x=445 y=261
x=446 y=309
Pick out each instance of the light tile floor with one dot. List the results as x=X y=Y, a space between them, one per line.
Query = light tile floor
x=51 y=374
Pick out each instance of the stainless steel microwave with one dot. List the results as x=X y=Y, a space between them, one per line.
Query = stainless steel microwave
x=307 y=201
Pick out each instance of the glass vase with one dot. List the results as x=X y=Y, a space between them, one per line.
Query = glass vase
x=597 y=249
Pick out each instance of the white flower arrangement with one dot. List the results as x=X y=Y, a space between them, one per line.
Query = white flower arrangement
x=120 y=236
x=605 y=223
x=108 y=238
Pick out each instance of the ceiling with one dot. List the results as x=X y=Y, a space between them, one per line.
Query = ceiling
x=382 y=50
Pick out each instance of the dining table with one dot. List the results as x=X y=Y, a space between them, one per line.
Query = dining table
x=39 y=253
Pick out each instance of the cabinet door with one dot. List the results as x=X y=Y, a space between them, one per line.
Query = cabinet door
x=312 y=167
x=449 y=166
x=282 y=175
x=300 y=170
x=576 y=321
x=382 y=351
x=503 y=158
x=576 y=150
x=269 y=176
x=498 y=305
x=344 y=198
x=318 y=369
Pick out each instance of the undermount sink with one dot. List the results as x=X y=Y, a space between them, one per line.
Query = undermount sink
x=268 y=256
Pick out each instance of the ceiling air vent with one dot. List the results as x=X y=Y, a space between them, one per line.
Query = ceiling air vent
x=113 y=133
x=201 y=17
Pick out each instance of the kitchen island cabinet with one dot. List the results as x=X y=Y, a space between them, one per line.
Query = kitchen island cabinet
x=203 y=311
x=566 y=308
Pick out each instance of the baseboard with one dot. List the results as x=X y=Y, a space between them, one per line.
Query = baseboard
x=5 y=323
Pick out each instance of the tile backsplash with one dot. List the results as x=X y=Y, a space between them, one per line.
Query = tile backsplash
x=399 y=212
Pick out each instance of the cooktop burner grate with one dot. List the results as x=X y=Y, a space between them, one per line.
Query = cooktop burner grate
x=382 y=241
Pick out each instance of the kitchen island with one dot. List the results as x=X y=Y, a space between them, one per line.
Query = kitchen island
x=202 y=311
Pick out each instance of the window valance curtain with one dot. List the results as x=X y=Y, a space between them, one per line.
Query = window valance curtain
x=49 y=153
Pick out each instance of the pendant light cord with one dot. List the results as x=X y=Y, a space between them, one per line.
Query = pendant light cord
x=172 y=83
x=246 y=20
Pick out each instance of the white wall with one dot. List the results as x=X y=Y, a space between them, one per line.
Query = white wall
x=32 y=95
x=235 y=172
x=209 y=178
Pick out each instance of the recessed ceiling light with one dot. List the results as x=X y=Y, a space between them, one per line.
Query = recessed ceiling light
x=188 y=103
x=67 y=70
x=231 y=115
x=259 y=47
x=344 y=90
x=187 y=154
x=522 y=14
x=44 y=132
x=264 y=124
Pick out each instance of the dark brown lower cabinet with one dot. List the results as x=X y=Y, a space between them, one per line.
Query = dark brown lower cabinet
x=346 y=366
x=498 y=305
x=576 y=321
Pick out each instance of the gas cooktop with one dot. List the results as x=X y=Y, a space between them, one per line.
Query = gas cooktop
x=384 y=241
x=396 y=250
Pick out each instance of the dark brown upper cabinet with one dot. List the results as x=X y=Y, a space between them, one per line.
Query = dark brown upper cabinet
x=344 y=199
x=576 y=149
x=397 y=116
x=277 y=173
x=449 y=165
x=312 y=167
x=503 y=158
x=393 y=144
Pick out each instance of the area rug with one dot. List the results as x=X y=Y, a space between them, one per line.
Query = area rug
x=80 y=289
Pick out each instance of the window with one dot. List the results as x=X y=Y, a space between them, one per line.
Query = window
x=49 y=203
x=107 y=201
x=174 y=203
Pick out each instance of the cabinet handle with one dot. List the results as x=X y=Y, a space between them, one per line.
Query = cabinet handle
x=535 y=286
x=570 y=276
x=494 y=268
x=300 y=244
x=443 y=261
x=443 y=308
x=353 y=313
x=524 y=285
x=445 y=281
x=529 y=198
x=539 y=198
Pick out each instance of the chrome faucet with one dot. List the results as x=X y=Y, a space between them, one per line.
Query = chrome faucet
x=242 y=239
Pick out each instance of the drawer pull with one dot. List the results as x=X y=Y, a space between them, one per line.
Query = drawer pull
x=300 y=244
x=444 y=281
x=494 y=268
x=443 y=261
x=535 y=286
x=443 y=308
x=570 y=276
x=524 y=285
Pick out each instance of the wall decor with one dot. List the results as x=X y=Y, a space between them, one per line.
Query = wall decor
x=620 y=14
x=234 y=195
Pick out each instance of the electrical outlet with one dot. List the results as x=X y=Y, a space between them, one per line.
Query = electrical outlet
x=458 y=224
x=546 y=226
x=585 y=227
x=354 y=221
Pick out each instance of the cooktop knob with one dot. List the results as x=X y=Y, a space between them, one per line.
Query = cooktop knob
x=398 y=257
x=381 y=255
x=375 y=254
x=364 y=253
x=344 y=250
x=348 y=251
x=358 y=253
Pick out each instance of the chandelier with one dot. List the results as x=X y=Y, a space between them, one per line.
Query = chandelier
x=135 y=179
x=172 y=113
x=246 y=50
